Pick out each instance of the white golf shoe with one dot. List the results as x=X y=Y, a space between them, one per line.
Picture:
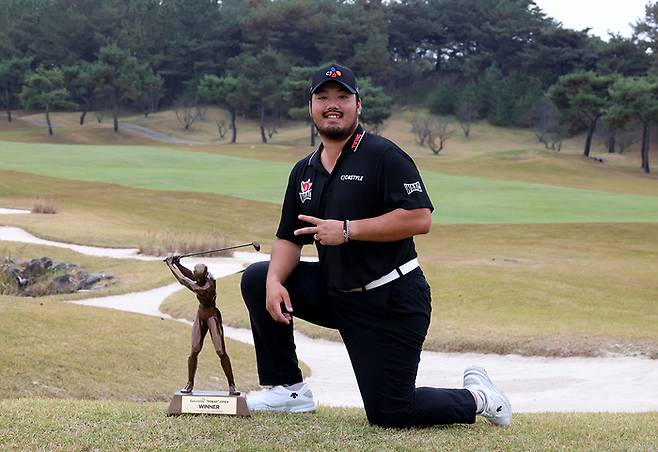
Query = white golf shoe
x=282 y=399
x=497 y=408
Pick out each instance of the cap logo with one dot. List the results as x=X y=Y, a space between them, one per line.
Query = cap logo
x=333 y=72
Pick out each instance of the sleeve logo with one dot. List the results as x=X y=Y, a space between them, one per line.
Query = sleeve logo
x=305 y=194
x=415 y=186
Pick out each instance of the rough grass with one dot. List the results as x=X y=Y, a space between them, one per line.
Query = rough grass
x=60 y=350
x=111 y=425
x=551 y=290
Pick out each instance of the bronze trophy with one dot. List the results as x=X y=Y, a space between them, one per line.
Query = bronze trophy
x=208 y=318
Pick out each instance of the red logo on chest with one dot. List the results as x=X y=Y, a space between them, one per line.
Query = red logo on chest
x=305 y=194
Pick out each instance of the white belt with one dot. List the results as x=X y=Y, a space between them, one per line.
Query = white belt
x=387 y=278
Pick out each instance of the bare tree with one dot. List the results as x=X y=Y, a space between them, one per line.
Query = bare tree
x=466 y=113
x=420 y=128
x=222 y=128
x=431 y=131
x=151 y=98
x=188 y=111
x=438 y=130
x=547 y=124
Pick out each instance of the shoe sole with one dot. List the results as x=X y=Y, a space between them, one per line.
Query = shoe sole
x=302 y=410
x=480 y=372
x=297 y=409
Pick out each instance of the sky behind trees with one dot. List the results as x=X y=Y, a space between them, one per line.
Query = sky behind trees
x=600 y=15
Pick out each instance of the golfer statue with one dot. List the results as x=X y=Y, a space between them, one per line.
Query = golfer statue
x=208 y=317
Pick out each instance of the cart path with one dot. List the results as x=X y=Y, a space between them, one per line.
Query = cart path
x=533 y=384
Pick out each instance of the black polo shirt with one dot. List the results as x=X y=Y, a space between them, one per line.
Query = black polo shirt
x=372 y=176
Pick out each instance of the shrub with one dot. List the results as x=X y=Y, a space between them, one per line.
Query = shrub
x=43 y=204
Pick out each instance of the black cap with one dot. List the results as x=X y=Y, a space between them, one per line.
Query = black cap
x=335 y=73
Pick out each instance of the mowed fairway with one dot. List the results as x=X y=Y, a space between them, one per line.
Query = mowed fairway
x=459 y=199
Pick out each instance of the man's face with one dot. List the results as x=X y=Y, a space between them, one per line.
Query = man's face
x=334 y=111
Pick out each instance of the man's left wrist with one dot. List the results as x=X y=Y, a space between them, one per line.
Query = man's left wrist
x=346 y=231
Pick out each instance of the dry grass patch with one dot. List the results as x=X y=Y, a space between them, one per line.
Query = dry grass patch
x=164 y=244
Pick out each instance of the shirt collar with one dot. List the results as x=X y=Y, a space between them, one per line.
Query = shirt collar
x=352 y=145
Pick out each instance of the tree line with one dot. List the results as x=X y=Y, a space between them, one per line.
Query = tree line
x=492 y=59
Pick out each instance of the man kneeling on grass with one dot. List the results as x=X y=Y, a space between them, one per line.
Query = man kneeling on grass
x=360 y=198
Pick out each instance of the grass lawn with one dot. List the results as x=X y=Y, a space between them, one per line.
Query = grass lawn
x=459 y=199
x=60 y=350
x=67 y=424
x=531 y=252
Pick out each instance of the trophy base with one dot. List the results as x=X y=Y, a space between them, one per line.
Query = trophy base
x=218 y=403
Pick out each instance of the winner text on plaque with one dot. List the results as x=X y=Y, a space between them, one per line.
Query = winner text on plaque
x=208 y=402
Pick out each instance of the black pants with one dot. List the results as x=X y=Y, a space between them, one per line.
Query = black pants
x=383 y=330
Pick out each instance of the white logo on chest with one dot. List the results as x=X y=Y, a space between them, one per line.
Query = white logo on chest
x=415 y=186
x=351 y=177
